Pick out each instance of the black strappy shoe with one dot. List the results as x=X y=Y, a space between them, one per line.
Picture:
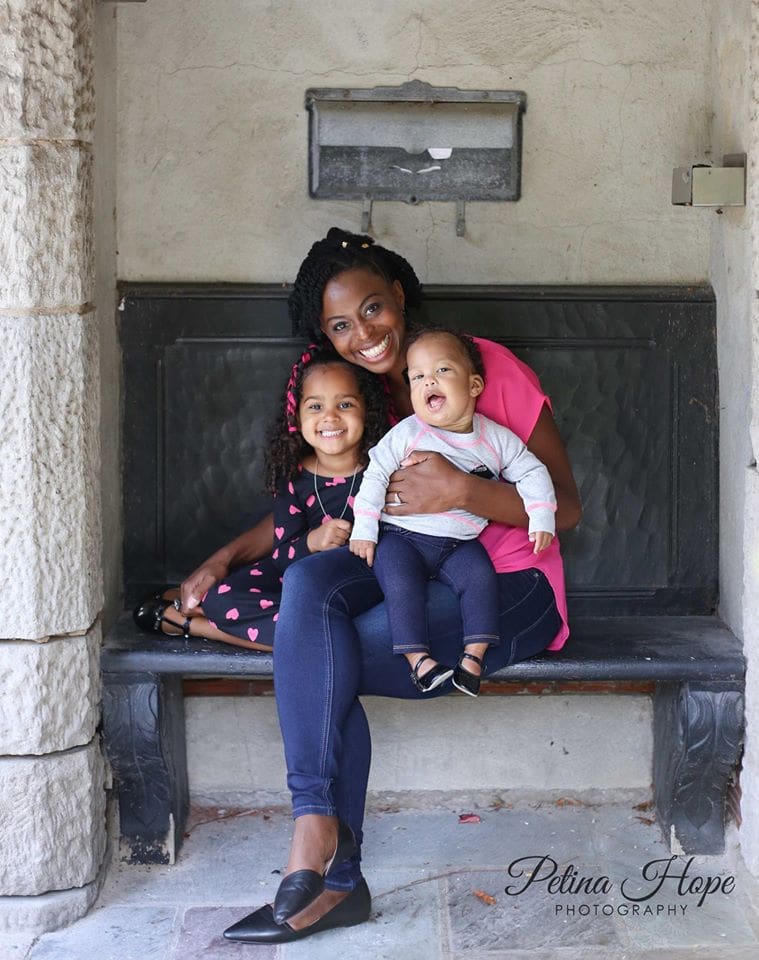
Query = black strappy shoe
x=433 y=678
x=149 y=615
x=465 y=681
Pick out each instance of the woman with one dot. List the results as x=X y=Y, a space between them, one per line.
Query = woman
x=356 y=294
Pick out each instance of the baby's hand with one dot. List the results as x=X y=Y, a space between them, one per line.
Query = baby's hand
x=363 y=549
x=542 y=540
x=331 y=534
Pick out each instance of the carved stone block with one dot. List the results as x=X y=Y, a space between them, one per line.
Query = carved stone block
x=143 y=717
x=698 y=734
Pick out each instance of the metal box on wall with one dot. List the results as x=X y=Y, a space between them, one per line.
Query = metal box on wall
x=415 y=142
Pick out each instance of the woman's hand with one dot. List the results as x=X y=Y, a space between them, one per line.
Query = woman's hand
x=331 y=534
x=426 y=483
x=431 y=484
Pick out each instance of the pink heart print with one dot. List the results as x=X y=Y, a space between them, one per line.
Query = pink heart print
x=224 y=588
x=291 y=552
x=279 y=532
x=255 y=572
x=311 y=501
x=233 y=614
x=326 y=518
x=264 y=604
x=275 y=618
x=351 y=501
x=291 y=488
x=254 y=590
x=294 y=510
x=252 y=633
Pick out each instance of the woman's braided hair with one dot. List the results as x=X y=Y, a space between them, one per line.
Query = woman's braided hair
x=285 y=447
x=335 y=253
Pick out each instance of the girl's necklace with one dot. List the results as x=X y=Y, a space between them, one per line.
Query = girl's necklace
x=347 y=499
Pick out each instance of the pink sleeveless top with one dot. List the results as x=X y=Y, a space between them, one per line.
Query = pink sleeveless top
x=514 y=398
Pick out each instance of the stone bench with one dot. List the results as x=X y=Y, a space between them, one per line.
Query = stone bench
x=639 y=417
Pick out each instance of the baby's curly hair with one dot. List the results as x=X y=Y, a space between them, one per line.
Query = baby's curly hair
x=285 y=447
x=335 y=253
x=469 y=347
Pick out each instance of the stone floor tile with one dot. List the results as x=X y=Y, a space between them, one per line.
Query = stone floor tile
x=200 y=938
x=15 y=946
x=528 y=921
x=500 y=836
x=111 y=933
x=245 y=850
x=404 y=925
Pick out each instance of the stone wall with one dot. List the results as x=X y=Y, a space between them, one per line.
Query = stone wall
x=52 y=800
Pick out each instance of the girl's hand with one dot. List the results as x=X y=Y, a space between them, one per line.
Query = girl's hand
x=331 y=534
x=542 y=540
x=363 y=549
x=200 y=581
x=426 y=483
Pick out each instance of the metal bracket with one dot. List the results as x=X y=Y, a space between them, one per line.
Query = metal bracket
x=460 y=218
x=366 y=216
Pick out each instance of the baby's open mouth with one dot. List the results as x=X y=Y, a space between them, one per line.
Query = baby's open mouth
x=435 y=401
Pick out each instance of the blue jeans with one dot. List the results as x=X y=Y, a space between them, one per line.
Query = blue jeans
x=324 y=660
x=405 y=561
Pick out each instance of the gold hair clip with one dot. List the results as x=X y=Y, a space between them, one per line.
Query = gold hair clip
x=344 y=244
x=364 y=246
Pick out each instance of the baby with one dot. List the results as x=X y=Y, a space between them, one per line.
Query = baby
x=446 y=375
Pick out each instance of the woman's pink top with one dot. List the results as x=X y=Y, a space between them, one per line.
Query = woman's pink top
x=513 y=397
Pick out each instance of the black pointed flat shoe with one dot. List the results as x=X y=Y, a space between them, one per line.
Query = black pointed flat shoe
x=302 y=887
x=465 y=681
x=433 y=678
x=259 y=927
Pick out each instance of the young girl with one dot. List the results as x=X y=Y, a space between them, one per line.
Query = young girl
x=446 y=376
x=332 y=412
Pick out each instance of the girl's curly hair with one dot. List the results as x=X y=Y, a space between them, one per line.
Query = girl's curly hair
x=285 y=448
x=335 y=253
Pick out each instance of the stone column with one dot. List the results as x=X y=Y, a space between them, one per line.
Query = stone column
x=52 y=799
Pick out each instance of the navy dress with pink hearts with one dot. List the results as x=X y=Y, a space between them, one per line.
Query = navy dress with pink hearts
x=246 y=603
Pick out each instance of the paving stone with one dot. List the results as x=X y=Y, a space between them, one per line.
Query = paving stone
x=526 y=921
x=200 y=938
x=405 y=924
x=118 y=933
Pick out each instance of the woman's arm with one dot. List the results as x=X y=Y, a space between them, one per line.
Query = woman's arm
x=249 y=546
x=434 y=485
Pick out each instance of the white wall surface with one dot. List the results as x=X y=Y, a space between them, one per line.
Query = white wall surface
x=234 y=746
x=212 y=134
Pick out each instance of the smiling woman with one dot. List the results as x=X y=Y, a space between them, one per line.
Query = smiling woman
x=356 y=294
